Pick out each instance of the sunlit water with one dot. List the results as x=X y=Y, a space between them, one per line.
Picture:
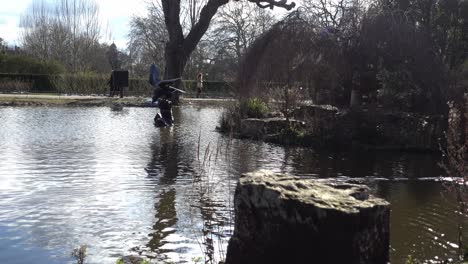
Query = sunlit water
x=111 y=180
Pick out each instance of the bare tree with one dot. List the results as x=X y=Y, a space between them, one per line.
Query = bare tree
x=36 y=29
x=147 y=39
x=179 y=47
x=2 y=45
x=66 y=31
x=238 y=25
x=113 y=57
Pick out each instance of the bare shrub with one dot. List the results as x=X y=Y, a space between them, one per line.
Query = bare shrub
x=15 y=86
x=287 y=99
x=80 y=254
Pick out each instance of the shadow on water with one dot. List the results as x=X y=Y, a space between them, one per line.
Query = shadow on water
x=169 y=162
x=163 y=170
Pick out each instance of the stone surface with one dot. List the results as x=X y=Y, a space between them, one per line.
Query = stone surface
x=131 y=259
x=257 y=128
x=372 y=127
x=286 y=219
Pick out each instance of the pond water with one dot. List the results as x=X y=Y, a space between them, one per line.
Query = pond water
x=111 y=180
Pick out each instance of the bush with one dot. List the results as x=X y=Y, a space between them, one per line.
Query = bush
x=294 y=132
x=82 y=83
x=254 y=108
x=230 y=119
x=26 y=82
x=87 y=83
x=21 y=64
x=10 y=85
x=20 y=73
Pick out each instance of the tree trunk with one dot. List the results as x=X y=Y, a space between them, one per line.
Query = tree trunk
x=175 y=61
x=175 y=64
x=178 y=48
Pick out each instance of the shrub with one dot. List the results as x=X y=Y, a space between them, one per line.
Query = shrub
x=80 y=254
x=28 y=65
x=230 y=119
x=254 y=108
x=10 y=85
x=81 y=83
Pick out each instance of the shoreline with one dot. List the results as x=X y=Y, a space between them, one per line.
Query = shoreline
x=89 y=100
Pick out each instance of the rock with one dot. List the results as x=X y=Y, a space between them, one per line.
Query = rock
x=287 y=219
x=257 y=128
x=131 y=259
x=116 y=107
x=252 y=127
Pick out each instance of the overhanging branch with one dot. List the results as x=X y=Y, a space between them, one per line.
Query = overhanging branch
x=273 y=3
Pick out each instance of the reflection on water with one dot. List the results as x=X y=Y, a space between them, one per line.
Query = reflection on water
x=70 y=176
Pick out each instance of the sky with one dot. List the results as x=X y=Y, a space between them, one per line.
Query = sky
x=115 y=17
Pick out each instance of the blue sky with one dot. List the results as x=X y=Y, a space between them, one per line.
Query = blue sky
x=115 y=14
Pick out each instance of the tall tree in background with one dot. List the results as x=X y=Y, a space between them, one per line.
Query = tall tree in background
x=2 y=45
x=180 y=46
x=233 y=30
x=113 y=57
x=66 y=30
x=146 y=40
x=238 y=25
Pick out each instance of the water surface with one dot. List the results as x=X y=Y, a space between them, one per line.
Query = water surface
x=71 y=176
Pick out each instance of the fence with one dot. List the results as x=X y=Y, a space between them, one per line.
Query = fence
x=92 y=84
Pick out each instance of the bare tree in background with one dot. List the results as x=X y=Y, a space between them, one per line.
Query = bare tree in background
x=238 y=25
x=148 y=36
x=234 y=28
x=180 y=46
x=67 y=31
x=2 y=45
x=340 y=21
x=191 y=13
x=113 y=57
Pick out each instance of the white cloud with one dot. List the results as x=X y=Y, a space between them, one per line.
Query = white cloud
x=116 y=16
x=9 y=30
x=9 y=20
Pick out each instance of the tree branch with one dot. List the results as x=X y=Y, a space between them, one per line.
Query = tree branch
x=272 y=3
x=199 y=29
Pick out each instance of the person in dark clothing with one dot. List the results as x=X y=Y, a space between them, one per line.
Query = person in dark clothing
x=199 y=84
x=162 y=94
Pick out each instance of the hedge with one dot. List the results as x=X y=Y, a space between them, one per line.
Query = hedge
x=93 y=84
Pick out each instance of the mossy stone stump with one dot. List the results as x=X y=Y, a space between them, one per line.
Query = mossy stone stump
x=259 y=127
x=287 y=219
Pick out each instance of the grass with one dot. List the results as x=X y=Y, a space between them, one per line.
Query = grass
x=255 y=108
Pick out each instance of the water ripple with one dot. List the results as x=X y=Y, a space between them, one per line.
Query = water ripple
x=71 y=176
